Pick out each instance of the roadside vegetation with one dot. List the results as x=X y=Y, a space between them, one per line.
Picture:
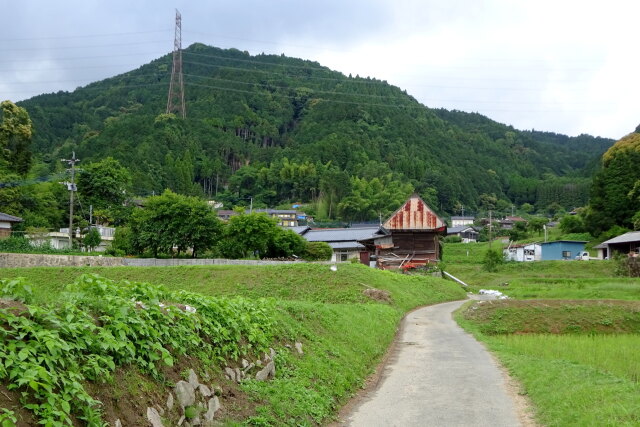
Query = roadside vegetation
x=240 y=312
x=569 y=333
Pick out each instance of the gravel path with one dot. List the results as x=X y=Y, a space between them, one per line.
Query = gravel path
x=438 y=375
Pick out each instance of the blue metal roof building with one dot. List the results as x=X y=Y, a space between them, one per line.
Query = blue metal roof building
x=561 y=249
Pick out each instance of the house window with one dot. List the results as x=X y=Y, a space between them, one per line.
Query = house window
x=566 y=254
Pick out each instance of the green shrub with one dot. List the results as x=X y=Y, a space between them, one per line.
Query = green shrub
x=452 y=239
x=493 y=258
x=318 y=251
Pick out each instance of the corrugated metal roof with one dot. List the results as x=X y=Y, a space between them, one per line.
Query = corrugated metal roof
x=632 y=236
x=340 y=234
x=414 y=215
x=9 y=218
x=564 y=241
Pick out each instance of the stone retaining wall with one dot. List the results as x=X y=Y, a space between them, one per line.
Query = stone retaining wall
x=11 y=260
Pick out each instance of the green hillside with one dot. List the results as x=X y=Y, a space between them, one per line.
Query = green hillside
x=283 y=130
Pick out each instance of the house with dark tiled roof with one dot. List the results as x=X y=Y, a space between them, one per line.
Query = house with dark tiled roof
x=344 y=241
x=465 y=232
x=6 y=223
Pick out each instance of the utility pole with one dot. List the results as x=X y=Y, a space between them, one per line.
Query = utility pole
x=72 y=188
x=490 y=230
x=175 y=102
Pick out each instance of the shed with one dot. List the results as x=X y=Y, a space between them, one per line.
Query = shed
x=523 y=253
x=627 y=243
x=6 y=222
x=411 y=236
x=561 y=249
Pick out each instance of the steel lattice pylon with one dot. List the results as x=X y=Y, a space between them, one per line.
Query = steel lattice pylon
x=175 y=102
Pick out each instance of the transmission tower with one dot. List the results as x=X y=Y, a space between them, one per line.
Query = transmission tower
x=175 y=103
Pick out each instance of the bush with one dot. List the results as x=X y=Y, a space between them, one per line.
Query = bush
x=285 y=243
x=492 y=260
x=572 y=224
x=318 y=251
x=614 y=231
x=452 y=239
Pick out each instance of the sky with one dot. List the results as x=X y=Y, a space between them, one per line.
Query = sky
x=562 y=66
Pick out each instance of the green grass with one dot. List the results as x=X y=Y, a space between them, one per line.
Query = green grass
x=570 y=334
x=296 y=282
x=617 y=355
x=344 y=332
x=593 y=279
x=572 y=379
x=555 y=316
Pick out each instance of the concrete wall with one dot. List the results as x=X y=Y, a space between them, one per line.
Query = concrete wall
x=11 y=260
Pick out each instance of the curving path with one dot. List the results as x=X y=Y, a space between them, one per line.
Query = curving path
x=438 y=375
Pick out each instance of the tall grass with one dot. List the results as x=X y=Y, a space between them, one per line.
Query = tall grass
x=615 y=354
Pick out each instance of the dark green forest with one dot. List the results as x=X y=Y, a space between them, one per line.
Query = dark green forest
x=281 y=130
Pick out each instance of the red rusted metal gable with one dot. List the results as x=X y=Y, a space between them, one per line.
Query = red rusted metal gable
x=414 y=215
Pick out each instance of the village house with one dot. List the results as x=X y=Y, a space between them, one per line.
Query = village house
x=459 y=221
x=6 y=223
x=60 y=239
x=285 y=217
x=344 y=241
x=466 y=233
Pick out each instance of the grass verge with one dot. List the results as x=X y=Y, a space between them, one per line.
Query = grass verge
x=571 y=379
x=344 y=332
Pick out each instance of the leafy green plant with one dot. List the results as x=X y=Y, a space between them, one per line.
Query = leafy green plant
x=7 y=418
x=17 y=289
x=52 y=351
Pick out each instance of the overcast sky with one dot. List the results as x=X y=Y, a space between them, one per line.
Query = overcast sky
x=563 y=66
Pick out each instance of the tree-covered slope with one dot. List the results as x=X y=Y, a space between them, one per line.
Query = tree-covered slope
x=280 y=129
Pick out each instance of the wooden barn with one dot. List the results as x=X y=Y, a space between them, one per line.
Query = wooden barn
x=411 y=237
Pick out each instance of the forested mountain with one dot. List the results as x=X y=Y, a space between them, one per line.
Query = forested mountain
x=283 y=130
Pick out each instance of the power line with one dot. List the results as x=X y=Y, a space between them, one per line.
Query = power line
x=138 y=54
x=82 y=47
x=80 y=80
x=83 y=36
x=96 y=88
x=416 y=105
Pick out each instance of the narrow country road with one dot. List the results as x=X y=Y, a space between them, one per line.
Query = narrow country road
x=438 y=375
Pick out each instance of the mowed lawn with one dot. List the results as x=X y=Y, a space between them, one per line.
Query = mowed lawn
x=570 y=334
